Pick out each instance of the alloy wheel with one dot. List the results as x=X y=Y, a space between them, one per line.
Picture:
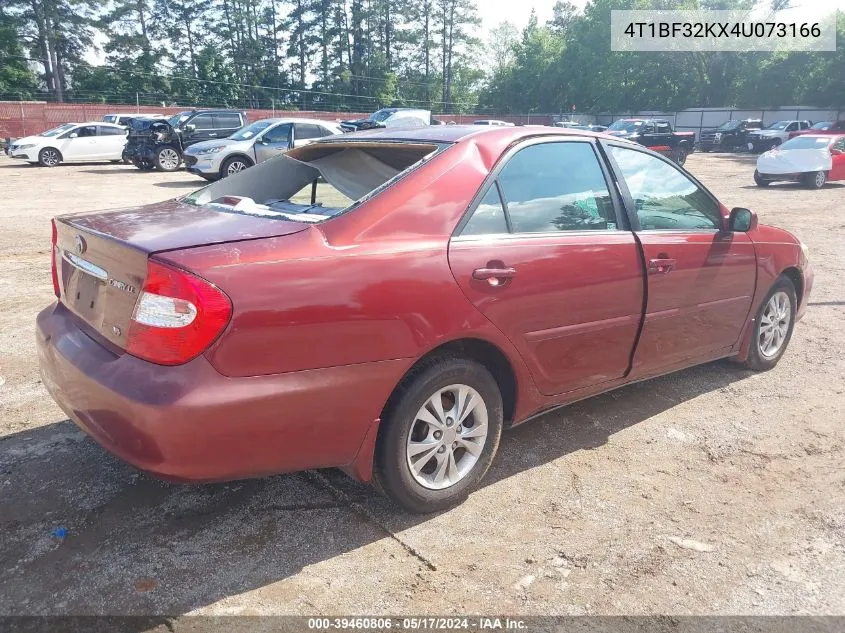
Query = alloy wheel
x=235 y=166
x=447 y=437
x=774 y=325
x=50 y=157
x=820 y=178
x=168 y=159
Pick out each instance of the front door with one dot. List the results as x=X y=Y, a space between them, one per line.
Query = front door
x=80 y=144
x=273 y=142
x=700 y=280
x=204 y=130
x=547 y=257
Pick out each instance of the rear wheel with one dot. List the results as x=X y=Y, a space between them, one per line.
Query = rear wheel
x=49 y=157
x=773 y=326
x=814 y=180
x=440 y=433
x=234 y=165
x=681 y=154
x=759 y=180
x=167 y=159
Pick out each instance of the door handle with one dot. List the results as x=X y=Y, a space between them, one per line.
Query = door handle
x=494 y=276
x=212 y=133
x=661 y=265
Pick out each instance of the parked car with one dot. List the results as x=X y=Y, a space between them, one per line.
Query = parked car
x=657 y=135
x=388 y=302
x=72 y=142
x=493 y=122
x=122 y=118
x=773 y=135
x=729 y=136
x=252 y=144
x=390 y=117
x=159 y=144
x=823 y=127
x=812 y=159
x=597 y=128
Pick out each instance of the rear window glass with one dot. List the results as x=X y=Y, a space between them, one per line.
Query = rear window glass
x=345 y=174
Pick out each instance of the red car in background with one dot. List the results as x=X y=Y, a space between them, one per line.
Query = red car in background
x=387 y=302
x=823 y=127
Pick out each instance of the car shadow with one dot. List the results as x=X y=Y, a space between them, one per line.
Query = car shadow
x=117 y=168
x=136 y=545
x=794 y=185
x=193 y=184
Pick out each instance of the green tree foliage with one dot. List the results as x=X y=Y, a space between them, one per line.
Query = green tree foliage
x=358 y=55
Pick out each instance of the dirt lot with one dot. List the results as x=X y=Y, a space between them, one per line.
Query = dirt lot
x=711 y=491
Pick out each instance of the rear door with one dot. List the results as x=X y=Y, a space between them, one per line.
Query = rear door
x=700 y=280
x=112 y=140
x=545 y=255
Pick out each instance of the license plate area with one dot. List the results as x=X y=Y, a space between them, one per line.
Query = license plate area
x=84 y=287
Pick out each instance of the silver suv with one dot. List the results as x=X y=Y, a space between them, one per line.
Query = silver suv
x=253 y=144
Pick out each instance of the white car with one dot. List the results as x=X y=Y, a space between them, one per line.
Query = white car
x=121 y=118
x=494 y=122
x=774 y=134
x=72 y=142
x=252 y=144
x=811 y=159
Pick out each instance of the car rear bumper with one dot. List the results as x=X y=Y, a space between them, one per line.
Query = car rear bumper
x=191 y=423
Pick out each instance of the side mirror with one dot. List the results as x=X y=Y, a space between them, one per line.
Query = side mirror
x=73 y=135
x=190 y=127
x=262 y=140
x=836 y=152
x=741 y=220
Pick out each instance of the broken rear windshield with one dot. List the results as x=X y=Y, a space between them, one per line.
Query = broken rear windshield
x=316 y=182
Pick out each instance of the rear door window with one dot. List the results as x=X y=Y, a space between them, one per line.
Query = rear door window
x=107 y=130
x=307 y=131
x=227 y=120
x=550 y=187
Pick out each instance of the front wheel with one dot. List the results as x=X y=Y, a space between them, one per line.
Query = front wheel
x=49 y=157
x=773 y=326
x=234 y=166
x=681 y=154
x=167 y=159
x=439 y=434
x=759 y=180
x=814 y=180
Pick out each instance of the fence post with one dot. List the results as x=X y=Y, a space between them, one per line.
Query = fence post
x=23 y=119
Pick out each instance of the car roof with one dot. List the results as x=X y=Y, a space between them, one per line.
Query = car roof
x=105 y=123
x=456 y=133
x=298 y=120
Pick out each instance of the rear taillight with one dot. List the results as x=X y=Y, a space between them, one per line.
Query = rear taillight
x=177 y=317
x=53 y=269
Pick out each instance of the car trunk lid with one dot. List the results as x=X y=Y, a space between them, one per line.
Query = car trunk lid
x=101 y=258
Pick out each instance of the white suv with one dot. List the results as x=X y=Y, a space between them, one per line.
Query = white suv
x=773 y=135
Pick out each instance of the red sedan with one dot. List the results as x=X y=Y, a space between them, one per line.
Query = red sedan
x=388 y=301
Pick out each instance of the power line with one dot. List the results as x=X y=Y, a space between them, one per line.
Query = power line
x=243 y=85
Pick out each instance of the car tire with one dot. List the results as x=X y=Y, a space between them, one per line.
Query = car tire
x=234 y=165
x=760 y=181
x=440 y=478
x=167 y=159
x=49 y=157
x=776 y=317
x=680 y=155
x=814 y=180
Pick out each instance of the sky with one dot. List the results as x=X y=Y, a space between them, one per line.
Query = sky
x=495 y=11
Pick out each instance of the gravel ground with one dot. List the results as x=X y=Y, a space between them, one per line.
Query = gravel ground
x=711 y=491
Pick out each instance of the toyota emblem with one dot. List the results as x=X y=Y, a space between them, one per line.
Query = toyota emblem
x=79 y=245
